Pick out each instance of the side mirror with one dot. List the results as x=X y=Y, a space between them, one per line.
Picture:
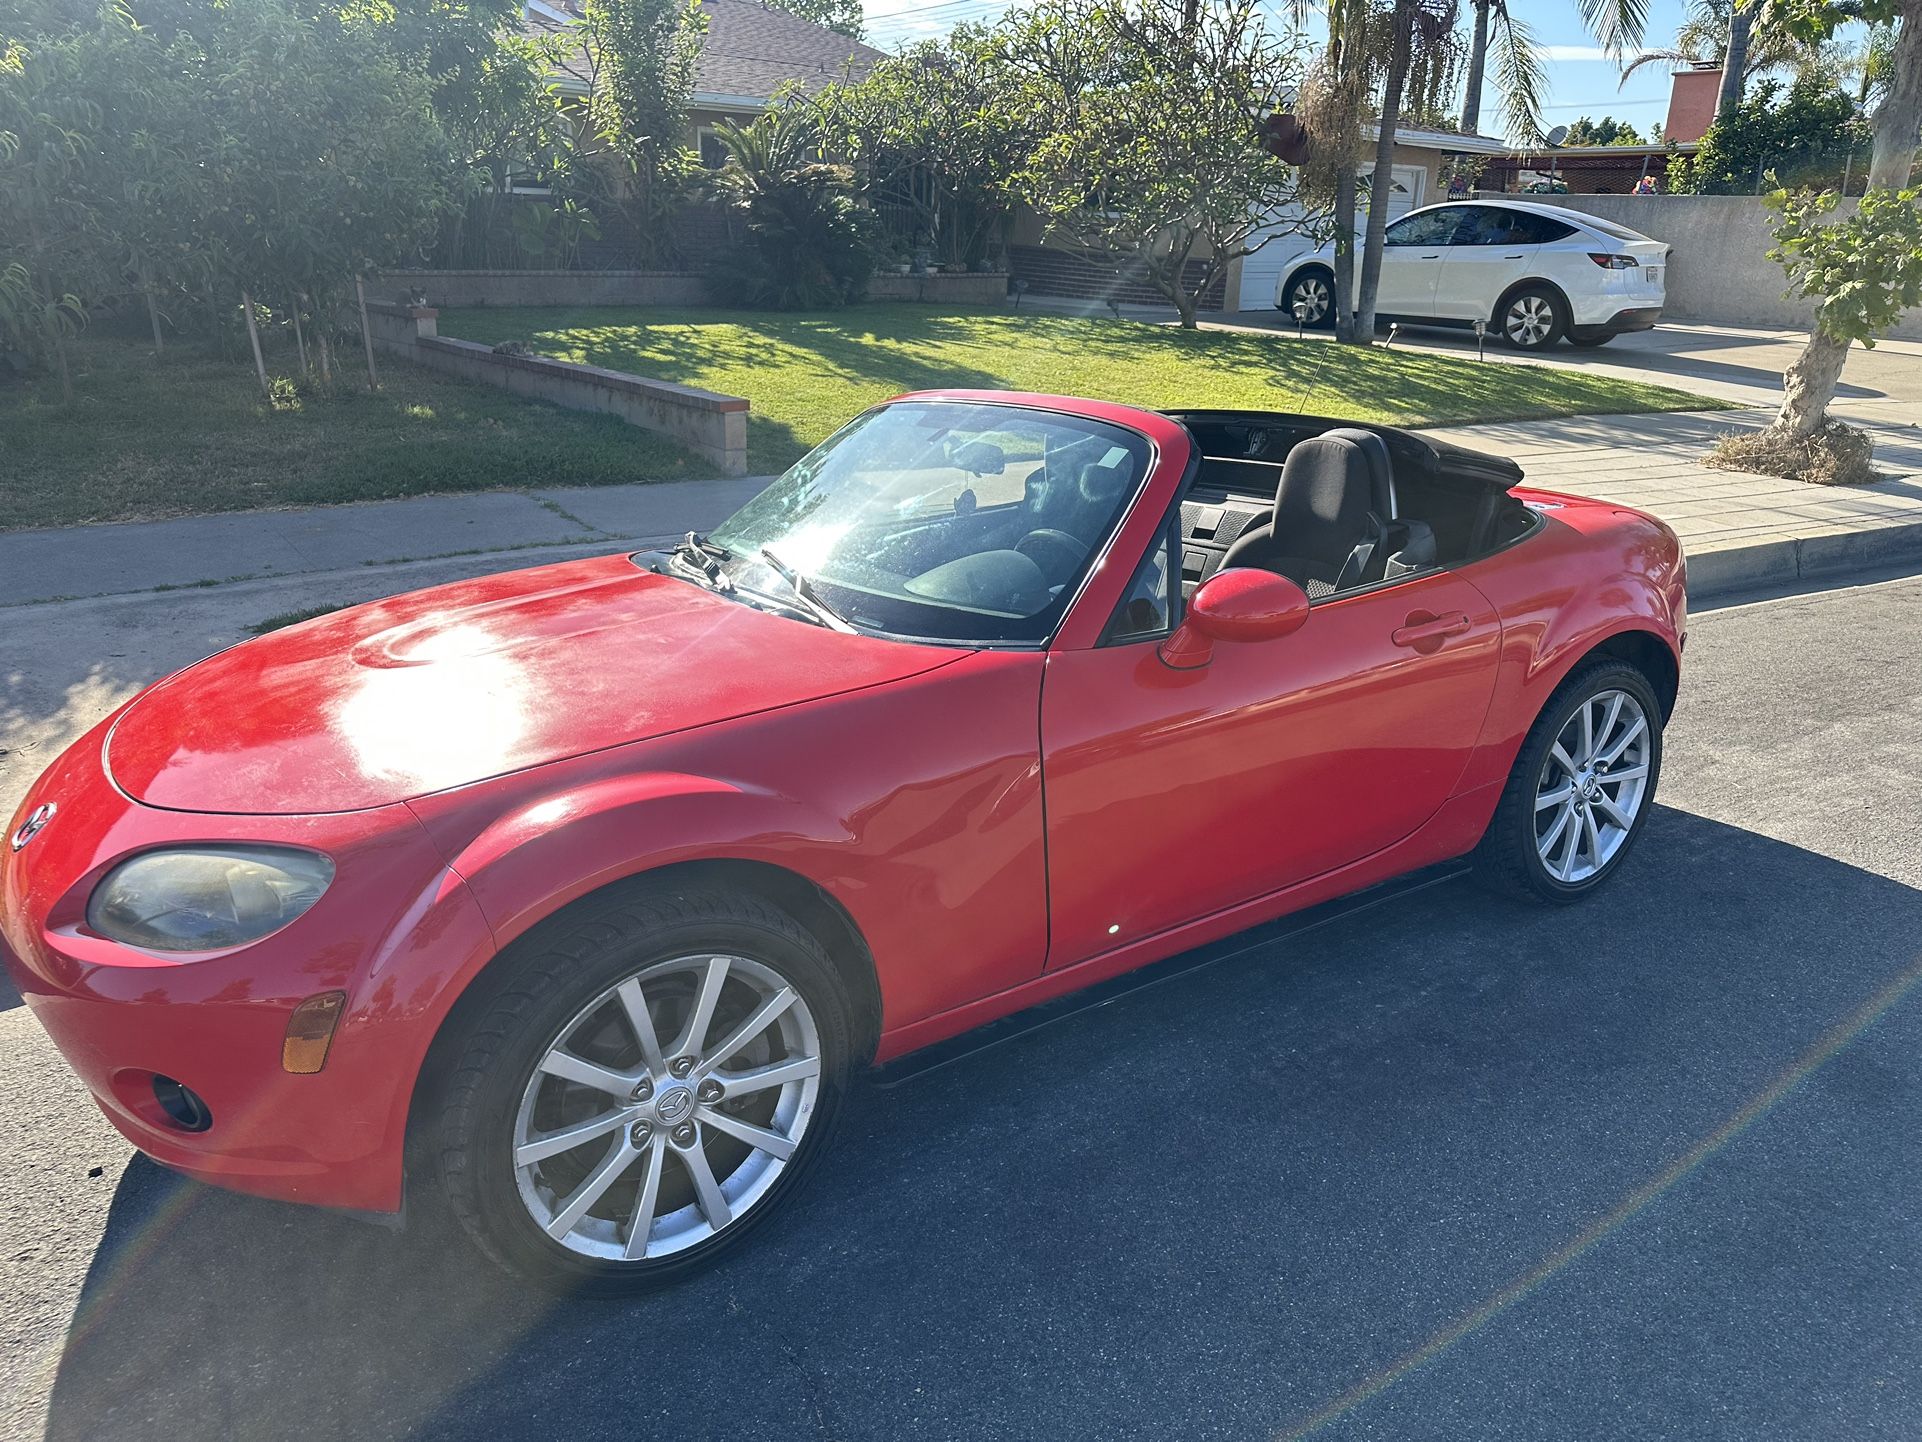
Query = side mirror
x=1241 y=604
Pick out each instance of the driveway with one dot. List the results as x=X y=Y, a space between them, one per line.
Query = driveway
x=1448 y=1167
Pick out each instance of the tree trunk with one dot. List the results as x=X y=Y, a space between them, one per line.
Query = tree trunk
x=300 y=339
x=1344 y=298
x=1384 y=181
x=1809 y=383
x=153 y=314
x=1477 y=66
x=366 y=335
x=253 y=336
x=1898 y=119
x=1734 y=60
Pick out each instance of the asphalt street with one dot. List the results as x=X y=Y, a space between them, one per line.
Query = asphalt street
x=1451 y=1167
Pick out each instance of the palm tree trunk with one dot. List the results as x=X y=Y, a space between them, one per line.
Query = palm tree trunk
x=1734 y=60
x=1344 y=300
x=1809 y=383
x=1477 y=66
x=1384 y=181
x=253 y=336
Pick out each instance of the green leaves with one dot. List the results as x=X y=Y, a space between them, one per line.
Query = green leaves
x=1862 y=271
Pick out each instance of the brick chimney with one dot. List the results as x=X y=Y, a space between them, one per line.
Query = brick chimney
x=1691 y=102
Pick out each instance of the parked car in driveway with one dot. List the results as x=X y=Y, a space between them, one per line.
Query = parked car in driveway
x=1534 y=274
x=574 y=897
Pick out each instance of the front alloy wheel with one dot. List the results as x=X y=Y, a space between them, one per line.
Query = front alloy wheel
x=647 y=1078
x=666 y=1108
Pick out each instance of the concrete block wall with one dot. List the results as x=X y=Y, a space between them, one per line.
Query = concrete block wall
x=1719 y=272
x=708 y=423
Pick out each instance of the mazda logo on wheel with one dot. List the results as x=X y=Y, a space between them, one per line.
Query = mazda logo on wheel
x=32 y=826
x=674 y=1105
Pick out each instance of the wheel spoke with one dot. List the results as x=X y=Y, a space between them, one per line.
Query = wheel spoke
x=1594 y=836
x=1572 y=848
x=1612 y=812
x=1547 y=844
x=1614 y=714
x=1588 y=730
x=569 y=1067
x=765 y=1013
x=643 y=1219
x=565 y=1140
x=774 y=1074
x=1563 y=759
x=695 y=1032
x=1555 y=798
x=773 y=1143
x=707 y=1191
x=592 y=1190
x=634 y=1003
x=1627 y=773
x=1614 y=753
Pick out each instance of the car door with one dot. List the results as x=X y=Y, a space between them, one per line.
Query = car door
x=1171 y=795
x=1411 y=259
x=1492 y=249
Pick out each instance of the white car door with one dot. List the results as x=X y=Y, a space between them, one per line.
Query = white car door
x=1411 y=261
x=1493 y=248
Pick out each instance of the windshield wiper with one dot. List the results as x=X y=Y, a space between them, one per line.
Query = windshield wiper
x=804 y=589
x=706 y=557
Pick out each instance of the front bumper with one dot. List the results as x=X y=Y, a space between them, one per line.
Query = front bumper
x=396 y=931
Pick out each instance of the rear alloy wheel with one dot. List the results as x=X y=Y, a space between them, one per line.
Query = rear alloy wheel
x=1314 y=291
x=644 y=1091
x=1581 y=789
x=1531 y=319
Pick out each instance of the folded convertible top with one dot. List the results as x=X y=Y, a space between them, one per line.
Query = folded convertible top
x=1269 y=435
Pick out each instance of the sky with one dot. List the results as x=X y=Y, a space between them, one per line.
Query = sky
x=1581 y=80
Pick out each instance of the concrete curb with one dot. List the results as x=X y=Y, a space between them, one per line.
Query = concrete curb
x=1728 y=570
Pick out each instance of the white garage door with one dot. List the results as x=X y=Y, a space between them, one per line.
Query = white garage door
x=1261 y=272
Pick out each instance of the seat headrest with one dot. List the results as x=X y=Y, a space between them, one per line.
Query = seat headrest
x=1382 y=484
x=1325 y=495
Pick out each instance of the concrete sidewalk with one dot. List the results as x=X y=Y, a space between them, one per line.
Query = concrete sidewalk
x=1741 y=530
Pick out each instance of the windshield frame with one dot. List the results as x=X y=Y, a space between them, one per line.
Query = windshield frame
x=1099 y=416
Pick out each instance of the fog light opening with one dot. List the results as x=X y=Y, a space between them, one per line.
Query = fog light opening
x=182 y=1104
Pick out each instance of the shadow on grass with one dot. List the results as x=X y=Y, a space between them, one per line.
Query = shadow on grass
x=1231 y=1205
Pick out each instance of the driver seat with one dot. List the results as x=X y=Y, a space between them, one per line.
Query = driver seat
x=1329 y=527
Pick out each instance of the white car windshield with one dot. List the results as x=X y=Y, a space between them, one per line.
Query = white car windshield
x=955 y=521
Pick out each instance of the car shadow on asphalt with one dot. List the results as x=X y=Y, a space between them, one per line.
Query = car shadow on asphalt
x=1485 y=1168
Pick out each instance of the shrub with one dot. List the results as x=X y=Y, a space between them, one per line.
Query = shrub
x=805 y=243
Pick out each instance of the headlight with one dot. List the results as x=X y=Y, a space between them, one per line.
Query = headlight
x=206 y=898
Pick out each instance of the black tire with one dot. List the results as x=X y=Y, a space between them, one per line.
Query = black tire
x=1508 y=859
x=469 y=1136
x=1305 y=280
x=1532 y=319
x=1588 y=340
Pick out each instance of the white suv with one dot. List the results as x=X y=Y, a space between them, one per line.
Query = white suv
x=1533 y=273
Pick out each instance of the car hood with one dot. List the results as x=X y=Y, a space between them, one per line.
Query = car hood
x=431 y=690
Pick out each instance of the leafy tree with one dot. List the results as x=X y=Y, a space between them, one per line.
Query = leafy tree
x=1147 y=128
x=807 y=241
x=1606 y=131
x=1801 y=138
x=1704 y=37
x=641 y=58
x=841 y=16
x=934 y=130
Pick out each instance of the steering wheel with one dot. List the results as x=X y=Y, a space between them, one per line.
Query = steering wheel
x=1056 y=553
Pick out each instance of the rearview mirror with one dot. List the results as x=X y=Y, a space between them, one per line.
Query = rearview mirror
x=1242 y=604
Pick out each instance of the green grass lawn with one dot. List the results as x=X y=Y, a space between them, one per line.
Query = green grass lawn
x=190 y=433
x=806 y=374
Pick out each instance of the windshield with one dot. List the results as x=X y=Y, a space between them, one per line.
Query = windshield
x=953 y=521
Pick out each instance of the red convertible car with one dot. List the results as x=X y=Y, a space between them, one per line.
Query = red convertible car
x=576 y=895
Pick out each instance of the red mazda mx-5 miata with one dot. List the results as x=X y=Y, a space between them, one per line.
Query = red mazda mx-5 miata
x=577 y=894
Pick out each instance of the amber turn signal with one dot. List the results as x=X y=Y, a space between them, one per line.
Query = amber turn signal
x=310 y=1031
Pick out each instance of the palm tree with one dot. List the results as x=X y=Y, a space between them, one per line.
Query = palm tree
x=1517 y=63
x=1713 y=31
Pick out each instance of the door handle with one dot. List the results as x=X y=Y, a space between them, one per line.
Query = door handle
x=1518 y=255
x=1422 y=628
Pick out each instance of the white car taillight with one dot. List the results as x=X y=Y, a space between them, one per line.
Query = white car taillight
x=1613 y=262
